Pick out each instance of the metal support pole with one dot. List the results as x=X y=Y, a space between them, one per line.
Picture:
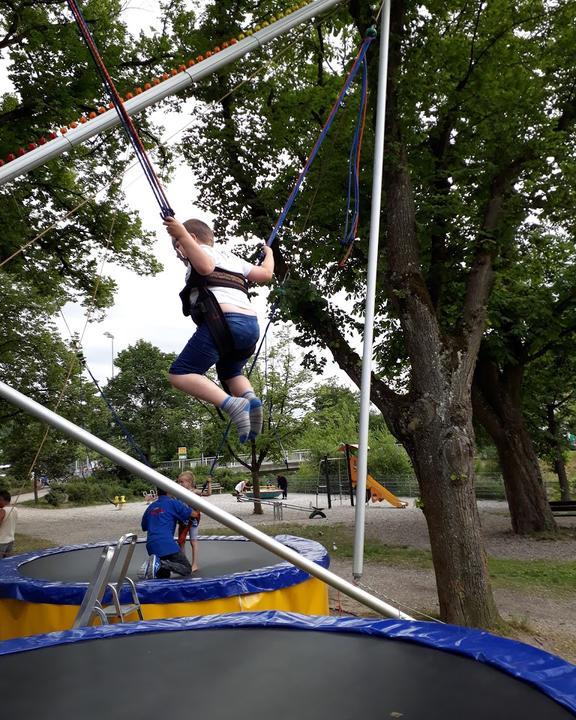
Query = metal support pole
x=197 y=502
x=173 y=85
x=370 y=295
x=328 y=489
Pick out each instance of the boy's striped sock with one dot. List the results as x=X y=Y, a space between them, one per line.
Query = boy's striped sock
x=239 y=411
x=256 y=414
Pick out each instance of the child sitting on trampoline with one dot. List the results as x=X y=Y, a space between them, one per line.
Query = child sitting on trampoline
x=159 y=522
x=216 y=296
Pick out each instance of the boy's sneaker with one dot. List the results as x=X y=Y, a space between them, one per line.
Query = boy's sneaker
x=152 y=567
x=142 y=570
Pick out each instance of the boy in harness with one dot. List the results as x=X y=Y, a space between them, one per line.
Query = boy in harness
x=216 y=296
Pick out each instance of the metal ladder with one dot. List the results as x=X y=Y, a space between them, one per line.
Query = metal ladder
x=92 y=604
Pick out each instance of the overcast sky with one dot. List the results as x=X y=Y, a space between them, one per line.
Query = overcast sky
x=148 y=307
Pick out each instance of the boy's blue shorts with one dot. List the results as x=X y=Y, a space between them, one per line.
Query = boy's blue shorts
x=200 y=353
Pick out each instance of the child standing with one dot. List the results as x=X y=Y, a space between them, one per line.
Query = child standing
x=216 y=295
x=8 y=517
x=190 y=529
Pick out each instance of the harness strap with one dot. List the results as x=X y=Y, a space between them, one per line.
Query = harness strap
x=217 y=278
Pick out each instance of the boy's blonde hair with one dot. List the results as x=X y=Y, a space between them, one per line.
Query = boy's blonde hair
x=188 y=475
x=204 y=233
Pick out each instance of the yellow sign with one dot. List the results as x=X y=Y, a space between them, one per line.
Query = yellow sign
x=182 y=451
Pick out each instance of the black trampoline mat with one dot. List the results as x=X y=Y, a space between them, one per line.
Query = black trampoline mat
x=216 y=558
x=261 y=674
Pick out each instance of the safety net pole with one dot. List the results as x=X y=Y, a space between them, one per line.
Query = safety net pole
x=360 y=510
x=196 y=501
x=125 y=118
x=180 y=81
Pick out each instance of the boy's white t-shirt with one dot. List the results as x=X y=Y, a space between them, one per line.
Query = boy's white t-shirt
x=240 y=486
x=8 y=525
x=227 y=261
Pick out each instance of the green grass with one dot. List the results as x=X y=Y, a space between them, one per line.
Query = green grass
x=338 y=539
x=41 y=504
x=549 y=574
x=27 y=543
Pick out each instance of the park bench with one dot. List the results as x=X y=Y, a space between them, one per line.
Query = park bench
x=205 y=489
x=563 y=507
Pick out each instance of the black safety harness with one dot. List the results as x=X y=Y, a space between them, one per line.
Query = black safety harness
x=207 y=309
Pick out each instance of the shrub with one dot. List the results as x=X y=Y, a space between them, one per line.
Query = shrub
x=58 y=495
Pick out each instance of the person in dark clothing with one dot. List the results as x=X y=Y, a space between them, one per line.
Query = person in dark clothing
x=282 y=485
x=159 y=521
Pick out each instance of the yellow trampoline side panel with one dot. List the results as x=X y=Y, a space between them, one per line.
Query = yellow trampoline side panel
x=19 y=618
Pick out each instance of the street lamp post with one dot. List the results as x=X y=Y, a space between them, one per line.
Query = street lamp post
x=109 y=335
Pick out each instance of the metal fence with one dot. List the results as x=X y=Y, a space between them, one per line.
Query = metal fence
x=293 y=459
x=488 y=486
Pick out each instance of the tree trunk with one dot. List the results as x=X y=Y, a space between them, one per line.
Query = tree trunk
x=433 y=418
x=559 y=464
x=442 y=455
x=497 y=406
x=560 y=469
x=460 y=565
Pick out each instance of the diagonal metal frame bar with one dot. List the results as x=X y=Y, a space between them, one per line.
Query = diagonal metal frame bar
x=196 y=501
x=185 y=78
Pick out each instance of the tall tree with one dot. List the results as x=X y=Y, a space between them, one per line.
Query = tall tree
x=42 y=367
x=479 y=97
x=284 y=387
x=524 y=359
x=158 y=418
x=550 y=407
x=56 y=231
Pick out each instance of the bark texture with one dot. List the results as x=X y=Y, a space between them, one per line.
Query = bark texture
x=497 y=406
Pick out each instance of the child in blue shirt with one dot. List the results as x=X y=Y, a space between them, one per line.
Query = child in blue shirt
x=159 y=522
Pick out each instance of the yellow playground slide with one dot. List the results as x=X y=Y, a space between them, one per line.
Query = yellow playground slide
x=377 y=492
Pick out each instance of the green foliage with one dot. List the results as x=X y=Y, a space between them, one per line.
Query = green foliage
x=387 y=459
x=93 y=493
x=334 y=421
x=41 y=366
x=54 y=83
x=158 y=418
x=228 y=478
x=57 y=495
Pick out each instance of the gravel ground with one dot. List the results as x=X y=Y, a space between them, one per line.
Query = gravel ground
x=543 y=618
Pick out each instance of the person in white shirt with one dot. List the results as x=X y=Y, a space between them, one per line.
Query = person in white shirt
x=216 y=296
x=240 y=488
x=8 y=517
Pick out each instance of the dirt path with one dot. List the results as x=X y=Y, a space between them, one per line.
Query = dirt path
x=542 y=617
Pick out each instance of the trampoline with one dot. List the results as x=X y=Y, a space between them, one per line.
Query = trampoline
x=41 y=592
x=258 y=665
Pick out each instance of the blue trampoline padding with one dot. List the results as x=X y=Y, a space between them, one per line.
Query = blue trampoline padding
x=550 y=674
x=15 y=586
